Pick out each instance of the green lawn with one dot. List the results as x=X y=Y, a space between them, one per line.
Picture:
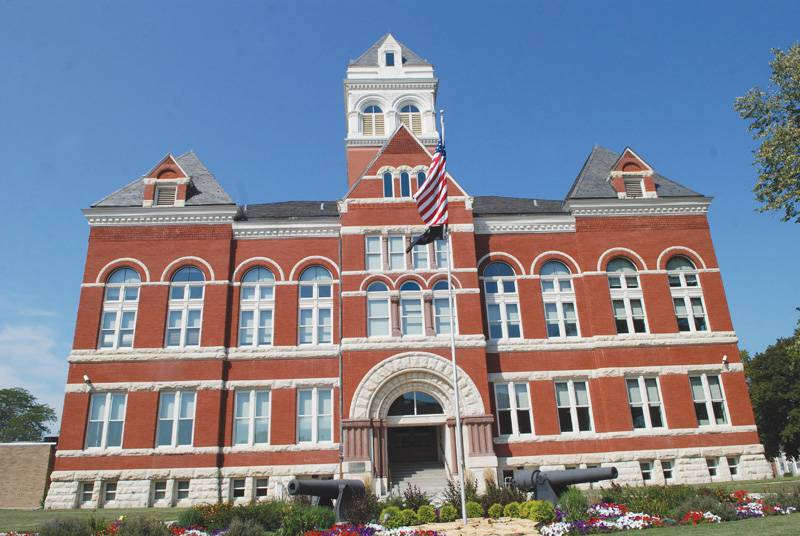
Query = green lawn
x=769 y=526
x=28 y=520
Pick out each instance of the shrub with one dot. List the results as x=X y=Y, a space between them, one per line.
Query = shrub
x=241 y=527
x=448 y=513
x=541 y=511
x=495 y=510
x=426 y=514
x=574 y=504
x=364 y=509
x=267 y=514
x=299 y=518
x=658 y=500
x=413 y=497
x=452 y=492
x=65 y=526
x=474 y=509
x=213 y=516
x=142 y=526
x=511 y=509
x=408 y=518
x=500 y=494
x=190 y=518
x=524 y=509
x=388 y=514
x=706 y=503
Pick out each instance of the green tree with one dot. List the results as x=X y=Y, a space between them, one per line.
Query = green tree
x=22 y=417
x=774 y=117
x=774 y=380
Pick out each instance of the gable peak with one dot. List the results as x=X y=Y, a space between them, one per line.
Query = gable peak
x=167 y=168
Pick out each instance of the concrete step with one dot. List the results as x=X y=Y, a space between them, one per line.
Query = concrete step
x=430 y=477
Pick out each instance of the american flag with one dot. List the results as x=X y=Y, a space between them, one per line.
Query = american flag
x=431 y=198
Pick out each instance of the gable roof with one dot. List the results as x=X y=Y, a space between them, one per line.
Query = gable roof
x=370 y=57
x=592 y=181
x=203 y=187
x=495 y=204
x=289 y=210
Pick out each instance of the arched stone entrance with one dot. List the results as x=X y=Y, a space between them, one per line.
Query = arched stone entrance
x=370 y=431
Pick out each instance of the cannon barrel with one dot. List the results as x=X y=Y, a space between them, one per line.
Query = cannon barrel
x=343 y=491
x=548 y=485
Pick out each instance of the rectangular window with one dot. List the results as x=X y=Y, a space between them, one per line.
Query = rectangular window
x=441 y=252
x=713 y=465
x=378 y=321
x=251 y=334
x=419 y=257
x=374 y=255
x=114 y=334
x=561 y=319
x=733 y=465
x=574 y=409
x=397 y=253
x=513 y=408
x=390 y=59
x=321 y=326
x=175 y=418
x=183 y=327
x=106 y=420
x=441 y=314
x=629 y=315
x=262 y=487
x=237 y=488
x=159 y=490
x=315 y=415
x=645 y=402
x=87 y=491
x=666 y=468
x=690 y=313
x=251 y=418
x=709 y=400
x=647 y=470
x=109 y=491
x=182 y=489
x=411 y=316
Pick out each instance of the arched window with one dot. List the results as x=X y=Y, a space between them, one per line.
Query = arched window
x=627 y=300
x=388 y=185
x=120 y=304
x=316 y=306
x=257 y=303
x=441 y=308
x=410 y=117
x=502 y=301
x=378 y=307
x=415 y=403
x=185 y=307
x=420 y=179
x=559 y=300
x=372 y=121
x=411 y=309
x=687 y=296
x=405 y=184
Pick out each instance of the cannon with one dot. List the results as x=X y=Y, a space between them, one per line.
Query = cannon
x=343 y=491
x=548 y=485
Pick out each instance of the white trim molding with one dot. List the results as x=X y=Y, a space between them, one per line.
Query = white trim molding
x=549 y=223
x=608 y=372
x=407 y=342
x=310 y=227
x=633 y=340
x=404 y=229
x=628 y=434
x=186 y=215
x=664 y=206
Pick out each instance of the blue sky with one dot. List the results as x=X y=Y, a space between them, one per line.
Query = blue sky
x=92 y=94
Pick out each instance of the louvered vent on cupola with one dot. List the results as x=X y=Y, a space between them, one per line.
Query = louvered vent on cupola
x=166 y=195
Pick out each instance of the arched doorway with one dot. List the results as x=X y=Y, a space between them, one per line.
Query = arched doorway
x=415 y=442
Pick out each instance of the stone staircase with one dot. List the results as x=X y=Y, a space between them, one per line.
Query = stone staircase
x=430 y=477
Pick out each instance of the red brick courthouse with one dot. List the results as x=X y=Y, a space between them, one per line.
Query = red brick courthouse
x=221 y=350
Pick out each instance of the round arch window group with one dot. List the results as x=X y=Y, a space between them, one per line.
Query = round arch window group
x=373 y=122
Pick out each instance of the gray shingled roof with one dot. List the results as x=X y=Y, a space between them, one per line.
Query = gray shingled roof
x=370 y=57
x=289 y=210
x=203 y=188
x=493 y=204
x=592 y=181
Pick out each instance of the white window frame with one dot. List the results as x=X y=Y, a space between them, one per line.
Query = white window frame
x=258 y=307
x=513 y=408
x=154 y=491
x=442 y=251
x=412 y=120
x=178 y=489
x=251 y=417
x=409 y=297
x=256 y=487
x=502 y=300
x=393 y=241
x=646 y=403
x=373 y=132
x=415 y=257
x=709 y=402
x=368 y=254
x=646 y=468
x=85 y=487
x=105 y=420
x=439 y=320
x=315 y=415
x=184 y=306
x=733 y=468
x=119 y=307
x=573 y=405
x=559 y=298
x=385 y=298
x=233 y=488
x=625 y=293
x=712 y=464
x=690 y=315
x=176 y=418
x=105 y=491
x=670 y=467
x=315 y=304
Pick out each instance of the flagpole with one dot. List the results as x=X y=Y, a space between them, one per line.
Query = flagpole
x=451 y=304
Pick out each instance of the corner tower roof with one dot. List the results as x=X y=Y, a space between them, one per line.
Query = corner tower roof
x=370 y=57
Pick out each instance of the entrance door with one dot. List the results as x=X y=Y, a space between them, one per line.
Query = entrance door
x=413 y=444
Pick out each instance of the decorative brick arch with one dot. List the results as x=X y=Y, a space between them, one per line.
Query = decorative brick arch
x=379 y=278
x=129 y=262
x=435 y=278
x=413 y=371
x=503 y=257
x=197 y=262
x=405 y=278
x=667 y=254
x=252 y=262
x=311 y=260
x=629 y=254
x=553 y=255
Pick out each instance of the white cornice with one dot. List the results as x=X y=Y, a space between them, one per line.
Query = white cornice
x=121 y=216
x=316 y=227
x=609 y=372
x=389 y=83
x=627 y=434
x=612 y=341
x=378 y=142
x=525 y=224
x=361 y=229
x=674 y=206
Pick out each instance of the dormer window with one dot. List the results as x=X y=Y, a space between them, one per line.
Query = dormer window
x=411 y=118
x=390 y=59
x=166 y=195
x=634 y=187
x=372 y=121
